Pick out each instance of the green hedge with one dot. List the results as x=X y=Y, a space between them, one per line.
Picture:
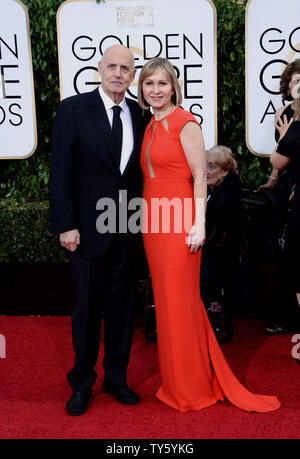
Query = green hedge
x=231 y=90
x=24 y=235
x=26 y=181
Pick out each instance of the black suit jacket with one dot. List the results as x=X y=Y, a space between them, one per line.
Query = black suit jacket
x=84 y=168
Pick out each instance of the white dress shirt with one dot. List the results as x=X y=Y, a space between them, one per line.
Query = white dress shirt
x=128 y=142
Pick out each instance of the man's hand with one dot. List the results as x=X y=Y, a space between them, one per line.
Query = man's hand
x=70 y=240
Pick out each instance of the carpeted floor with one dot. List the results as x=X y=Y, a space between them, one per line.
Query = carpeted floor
x=33 y=388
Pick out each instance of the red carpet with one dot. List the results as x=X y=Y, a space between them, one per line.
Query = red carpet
x=33 y=388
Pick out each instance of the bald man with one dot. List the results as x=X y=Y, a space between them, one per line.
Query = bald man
x=95 y=154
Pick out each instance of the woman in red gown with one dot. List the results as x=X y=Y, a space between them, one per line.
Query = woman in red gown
x=194 y=372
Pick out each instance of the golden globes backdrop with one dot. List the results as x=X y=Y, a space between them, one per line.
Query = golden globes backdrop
x=184 y=35
x=17 y=104
x=272 y=41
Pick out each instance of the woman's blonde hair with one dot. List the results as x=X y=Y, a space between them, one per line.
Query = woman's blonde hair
x=159 y=63
x=223 y=157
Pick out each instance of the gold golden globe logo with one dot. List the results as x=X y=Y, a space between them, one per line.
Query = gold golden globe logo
x=135 y=16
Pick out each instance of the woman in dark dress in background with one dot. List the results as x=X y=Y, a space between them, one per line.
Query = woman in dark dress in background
x=287 y=153
x=285 y=311
x=288 y=80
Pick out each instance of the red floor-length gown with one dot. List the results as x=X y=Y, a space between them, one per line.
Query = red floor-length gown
x=194 y=372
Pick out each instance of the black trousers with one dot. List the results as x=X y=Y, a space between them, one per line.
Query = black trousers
x=104 y=288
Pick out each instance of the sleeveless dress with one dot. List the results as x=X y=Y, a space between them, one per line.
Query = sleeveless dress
x=285 y=306
x=289 y=146
x=194 y=372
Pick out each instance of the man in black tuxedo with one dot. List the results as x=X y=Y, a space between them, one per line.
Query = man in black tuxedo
x=95 y=154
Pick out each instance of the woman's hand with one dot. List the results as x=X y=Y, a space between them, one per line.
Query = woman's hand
x=196 y=238
x=282 y=126
x=269 y=185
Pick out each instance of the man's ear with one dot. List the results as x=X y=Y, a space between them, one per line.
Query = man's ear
x=133 y=75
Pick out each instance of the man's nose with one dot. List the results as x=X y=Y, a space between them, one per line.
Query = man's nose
x=117 y=71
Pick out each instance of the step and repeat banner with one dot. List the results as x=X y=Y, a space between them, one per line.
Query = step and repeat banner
x=272 y=41
x=183 y=33
x=149 y=28
x=18 y=133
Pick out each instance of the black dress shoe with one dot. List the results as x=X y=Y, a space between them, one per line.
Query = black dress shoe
x=122 y=393
x=78 y=403
x=276 y=330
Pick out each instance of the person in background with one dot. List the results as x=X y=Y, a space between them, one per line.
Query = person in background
x=220 y=253
x=281 y=183
x=289 y=78
x=287 y=154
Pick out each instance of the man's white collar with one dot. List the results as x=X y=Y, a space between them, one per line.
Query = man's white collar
x=108 y=102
